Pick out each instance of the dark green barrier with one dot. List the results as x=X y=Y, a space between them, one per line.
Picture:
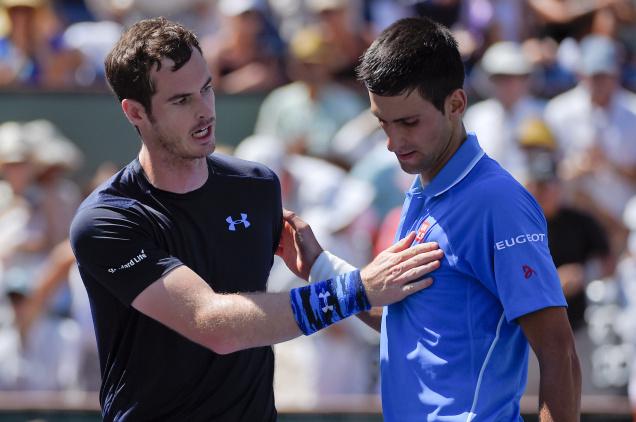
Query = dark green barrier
x=97 y=125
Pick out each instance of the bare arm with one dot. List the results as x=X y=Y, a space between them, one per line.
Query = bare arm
x=558 y=11
x=225 y=323
x=550 y=336
x=53 y=275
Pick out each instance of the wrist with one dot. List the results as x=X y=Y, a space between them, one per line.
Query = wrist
x=328 y=266
x=320 y=304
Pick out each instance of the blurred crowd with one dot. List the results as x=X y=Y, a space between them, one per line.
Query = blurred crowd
x=551 y=85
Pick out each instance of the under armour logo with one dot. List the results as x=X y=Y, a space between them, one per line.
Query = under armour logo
x=528 y=271
x=232 y=222
x=324 y=295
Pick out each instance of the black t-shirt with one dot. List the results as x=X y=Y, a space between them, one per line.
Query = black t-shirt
x=575 y=237
x=126 y=235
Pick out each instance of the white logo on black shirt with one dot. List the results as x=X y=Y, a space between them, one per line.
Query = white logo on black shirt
x=140 y=257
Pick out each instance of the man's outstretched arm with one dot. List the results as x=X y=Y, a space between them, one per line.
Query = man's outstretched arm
x=225 y=323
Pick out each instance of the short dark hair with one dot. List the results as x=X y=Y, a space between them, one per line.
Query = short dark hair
x=141 y=47
x=413 y=53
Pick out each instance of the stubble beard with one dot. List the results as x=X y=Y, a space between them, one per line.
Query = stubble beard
x=171 y=145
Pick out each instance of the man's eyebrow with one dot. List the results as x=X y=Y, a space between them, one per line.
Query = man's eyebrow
x=398 y=120
x=182 y=95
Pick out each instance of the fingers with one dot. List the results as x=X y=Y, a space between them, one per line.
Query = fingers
x=418 y=249
x=413 y=273
x=293 y=220
x=416 y=286
x=402 y=244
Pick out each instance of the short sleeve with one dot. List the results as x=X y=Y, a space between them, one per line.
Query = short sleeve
x=516 y=264
x=114 y=246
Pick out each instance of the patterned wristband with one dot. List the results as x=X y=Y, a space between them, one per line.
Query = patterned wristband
x=320 y=304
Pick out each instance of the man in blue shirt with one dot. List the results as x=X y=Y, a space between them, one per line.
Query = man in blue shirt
x=458 y=351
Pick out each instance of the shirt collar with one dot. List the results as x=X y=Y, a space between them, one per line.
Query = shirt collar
x=459 y=165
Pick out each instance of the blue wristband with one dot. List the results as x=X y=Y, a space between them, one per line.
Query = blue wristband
x=320 y=304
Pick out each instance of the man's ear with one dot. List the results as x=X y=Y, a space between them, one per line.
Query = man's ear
x=456 y=103
x=135 y=112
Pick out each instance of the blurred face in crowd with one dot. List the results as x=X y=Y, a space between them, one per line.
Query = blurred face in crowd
x=510 y=88
x=422 y=137
x=334 y=17
x=181 y=122
x=602 y=87
x=19 y=175
x=547 y=193
x=249 y=23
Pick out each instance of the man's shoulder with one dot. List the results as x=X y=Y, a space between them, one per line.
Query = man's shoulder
x=490 y=183
x=115 y=191
x=567 y=101
x=230 y=166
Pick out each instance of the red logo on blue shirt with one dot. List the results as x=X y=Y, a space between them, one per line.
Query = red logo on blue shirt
x=528 y=271
x=421 y=232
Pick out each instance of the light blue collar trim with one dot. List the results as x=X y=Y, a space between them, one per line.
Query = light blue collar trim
x=459 y=165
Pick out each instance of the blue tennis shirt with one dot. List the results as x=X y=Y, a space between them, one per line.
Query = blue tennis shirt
x=454 y=352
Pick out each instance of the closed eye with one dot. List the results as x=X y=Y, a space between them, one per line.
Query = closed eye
x=181 y=100
x=410 y=122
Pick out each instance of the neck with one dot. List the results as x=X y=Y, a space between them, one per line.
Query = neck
x=173 y=175
x=457 y=137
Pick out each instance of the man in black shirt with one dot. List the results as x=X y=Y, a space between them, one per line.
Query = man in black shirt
x=176 y=248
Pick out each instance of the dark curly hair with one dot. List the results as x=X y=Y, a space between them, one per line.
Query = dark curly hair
x=141 y=47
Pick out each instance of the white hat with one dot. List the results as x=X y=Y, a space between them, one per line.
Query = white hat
x=14 y=148
x=598 y=56
x=238 y=7
x=50 y=147
x=354 y=197
x=506 y=58
x=318 y=6
x=264 y=149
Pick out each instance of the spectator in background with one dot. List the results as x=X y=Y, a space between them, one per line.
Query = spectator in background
x=59 y=269
x=342 y=32
x=594 y=124
x=560 y=19
x=22 y=239
x=247 y=53
x=92 y=41
x=626 y=277
x=578 y=243
x=44 y=357
x=497 y=119
x=306 y=113
x=55 y=158
x=360 y=146
x=31 y=53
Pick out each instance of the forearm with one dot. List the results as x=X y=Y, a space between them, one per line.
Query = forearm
x=240 y=321
x=226 y=323
x=372 y=317
x=560 y=389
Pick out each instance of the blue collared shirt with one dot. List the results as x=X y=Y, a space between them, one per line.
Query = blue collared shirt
x=454 y=352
